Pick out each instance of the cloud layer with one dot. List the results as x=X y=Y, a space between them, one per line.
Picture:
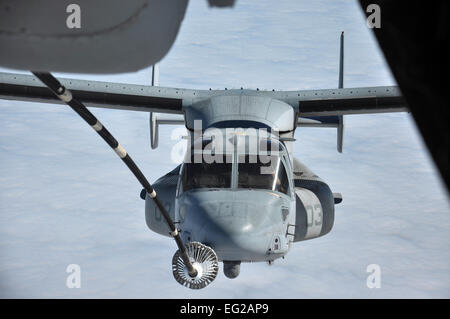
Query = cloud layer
x=66 y=199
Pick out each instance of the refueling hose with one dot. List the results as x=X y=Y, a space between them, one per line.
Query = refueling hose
x=66 y=96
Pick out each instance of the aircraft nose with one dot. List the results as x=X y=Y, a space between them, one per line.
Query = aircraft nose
x=233 y=231
x=236 y=229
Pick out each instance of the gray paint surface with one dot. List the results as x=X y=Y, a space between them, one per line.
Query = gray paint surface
x=114 y=35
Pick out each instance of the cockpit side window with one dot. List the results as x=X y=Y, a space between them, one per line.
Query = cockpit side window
x=282 y=183
x=205 y=175
x=258 y=174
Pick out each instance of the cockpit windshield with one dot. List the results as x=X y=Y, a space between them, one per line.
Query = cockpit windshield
x=244 y=166
x=259 y=172
x=204 y=175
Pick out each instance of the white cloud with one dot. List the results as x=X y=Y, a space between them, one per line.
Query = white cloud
x=65 y=198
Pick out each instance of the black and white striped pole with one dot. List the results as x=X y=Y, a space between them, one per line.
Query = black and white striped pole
x=66 y=96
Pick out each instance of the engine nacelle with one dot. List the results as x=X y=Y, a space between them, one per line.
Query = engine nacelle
x=165 y=187
x=314 y=205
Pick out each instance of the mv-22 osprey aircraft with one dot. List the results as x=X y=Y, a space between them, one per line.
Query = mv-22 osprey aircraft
x=239 y=195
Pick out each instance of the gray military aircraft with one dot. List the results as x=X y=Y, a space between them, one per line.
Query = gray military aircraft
x=239 y=195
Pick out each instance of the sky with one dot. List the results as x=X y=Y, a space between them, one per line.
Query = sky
x=65 y=198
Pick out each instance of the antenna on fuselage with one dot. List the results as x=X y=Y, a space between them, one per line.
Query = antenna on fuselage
x=340 y=129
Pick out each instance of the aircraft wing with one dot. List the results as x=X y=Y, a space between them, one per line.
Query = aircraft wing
x=326 y=108
x=314 y=108
x=333 y=102
x=315 y=104
x=97 y=94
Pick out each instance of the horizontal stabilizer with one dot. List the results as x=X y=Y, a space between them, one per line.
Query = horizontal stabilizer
x=326 y=121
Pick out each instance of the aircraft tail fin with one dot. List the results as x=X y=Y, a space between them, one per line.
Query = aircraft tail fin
x=340 y=128
x=155 y=119
x=155 y=74
x=341 y=63
x=335 y=121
